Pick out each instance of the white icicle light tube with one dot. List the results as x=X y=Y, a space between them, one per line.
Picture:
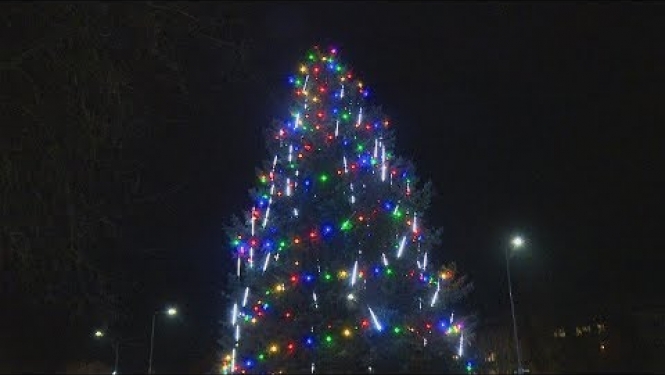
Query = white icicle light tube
x=355 y=273
x=265 y=263
x=233 y=360
x=384 y=166
x=460 y=351
x=253 y=220
x=297 y=120
x=244 y=298
x=434 y=298
x=402 y=244
x=375 y=320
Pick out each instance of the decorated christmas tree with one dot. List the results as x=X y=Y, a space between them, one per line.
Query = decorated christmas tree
x=333 y=263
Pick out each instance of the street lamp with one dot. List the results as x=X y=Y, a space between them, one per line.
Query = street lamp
x=116 y=348
x=171 y=311
x=516 y=243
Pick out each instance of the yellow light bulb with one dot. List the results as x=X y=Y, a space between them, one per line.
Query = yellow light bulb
x=347 y=332
x=273 y=348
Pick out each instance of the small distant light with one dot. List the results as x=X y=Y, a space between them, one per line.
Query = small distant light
x=171 y=311
x=99 y=334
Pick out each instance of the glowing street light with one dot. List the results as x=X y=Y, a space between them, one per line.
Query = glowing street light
x=171 y=312
x=116 y=348
x=516 y=243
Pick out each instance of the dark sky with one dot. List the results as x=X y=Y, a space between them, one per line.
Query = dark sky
x=533 y=118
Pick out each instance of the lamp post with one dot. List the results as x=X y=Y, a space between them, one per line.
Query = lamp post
x=171 y=311
x=116 y=348
x=516 y=243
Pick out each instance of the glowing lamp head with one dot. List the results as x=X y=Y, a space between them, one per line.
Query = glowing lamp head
x=171 y=311
x=99 y=333
x=517 y=242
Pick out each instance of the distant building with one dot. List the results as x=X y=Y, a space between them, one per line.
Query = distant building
x=621 y=341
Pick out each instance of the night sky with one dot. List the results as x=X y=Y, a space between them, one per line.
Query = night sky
x=537 y=119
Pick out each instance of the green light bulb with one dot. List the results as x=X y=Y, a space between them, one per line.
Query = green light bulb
x=397 y=330
x=328 y=276
x=346 y=225
x=323 y=178
x=261 y=356
x=328 y=338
